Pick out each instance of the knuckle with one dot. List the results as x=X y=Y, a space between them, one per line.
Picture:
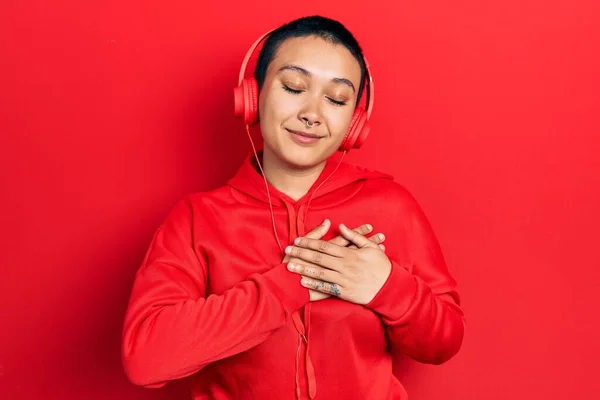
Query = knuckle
x=324 y=245
x=317 y=257
x=320 y=273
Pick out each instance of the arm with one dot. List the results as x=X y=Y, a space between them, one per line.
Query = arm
x=172 y=329
x=419 y=303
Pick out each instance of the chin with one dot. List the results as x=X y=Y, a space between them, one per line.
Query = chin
x=302 y=157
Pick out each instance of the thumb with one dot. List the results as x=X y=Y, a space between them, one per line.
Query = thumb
x=319 y=231
x=355 y=237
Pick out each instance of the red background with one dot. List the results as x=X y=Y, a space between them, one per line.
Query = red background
x=486 y=111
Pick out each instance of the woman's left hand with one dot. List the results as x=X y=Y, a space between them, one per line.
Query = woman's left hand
x=355 y=275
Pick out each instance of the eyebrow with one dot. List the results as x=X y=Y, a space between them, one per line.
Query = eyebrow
x=303 y=71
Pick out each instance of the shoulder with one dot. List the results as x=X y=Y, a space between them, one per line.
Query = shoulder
x=195 y=205
x=386 y=189
x=382 y=185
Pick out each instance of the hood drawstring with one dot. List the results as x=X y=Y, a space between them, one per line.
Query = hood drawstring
x=298 y=229
x=301 y=336
x=291 y=220
x=310 y=370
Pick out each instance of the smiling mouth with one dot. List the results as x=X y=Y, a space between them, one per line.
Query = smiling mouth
x=304 y=134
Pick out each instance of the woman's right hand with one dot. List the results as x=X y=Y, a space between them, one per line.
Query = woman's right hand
x=320 y=231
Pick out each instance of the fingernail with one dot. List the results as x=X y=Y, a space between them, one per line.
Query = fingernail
x=288 y=250
x=381 y=236
x=292 y=267
x=297 y=240
x=369 y=226
x=326 y=222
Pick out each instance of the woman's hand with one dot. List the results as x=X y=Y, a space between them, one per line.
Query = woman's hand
x=355 y=275
x=318 y=233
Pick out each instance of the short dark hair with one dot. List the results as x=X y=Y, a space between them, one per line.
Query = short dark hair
x=316 y=25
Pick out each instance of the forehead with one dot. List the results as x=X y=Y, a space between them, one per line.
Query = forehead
x=320 y=57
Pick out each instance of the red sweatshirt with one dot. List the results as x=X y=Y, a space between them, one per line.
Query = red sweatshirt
x=214 y=302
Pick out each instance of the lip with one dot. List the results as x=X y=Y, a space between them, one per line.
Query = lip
x=304 y=134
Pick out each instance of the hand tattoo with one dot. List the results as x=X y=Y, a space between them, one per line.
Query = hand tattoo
x=330 y=288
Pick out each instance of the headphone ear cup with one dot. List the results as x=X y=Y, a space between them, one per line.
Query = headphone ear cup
x=357 y=131
x=246 y=101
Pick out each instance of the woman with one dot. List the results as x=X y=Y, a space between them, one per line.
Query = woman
x=220 y=301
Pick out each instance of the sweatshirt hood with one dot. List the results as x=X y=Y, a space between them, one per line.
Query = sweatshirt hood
x=249 y=181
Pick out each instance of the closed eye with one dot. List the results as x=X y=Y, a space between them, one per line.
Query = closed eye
x=295 y=91
x=289 y=89
x=336 y=102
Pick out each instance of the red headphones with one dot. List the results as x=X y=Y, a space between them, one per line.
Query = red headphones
x=246 y=104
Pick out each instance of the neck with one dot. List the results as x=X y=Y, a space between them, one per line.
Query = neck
x=294 y=182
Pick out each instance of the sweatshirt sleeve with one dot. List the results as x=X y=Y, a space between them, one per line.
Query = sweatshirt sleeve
x=419 y=303
x=172 y=329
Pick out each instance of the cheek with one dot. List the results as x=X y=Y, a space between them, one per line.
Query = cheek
x=276 y=107
x=338 y=122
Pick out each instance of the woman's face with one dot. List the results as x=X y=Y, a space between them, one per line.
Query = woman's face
x=309 y=80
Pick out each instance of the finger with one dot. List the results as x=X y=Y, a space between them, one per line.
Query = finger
x=355 y=247
x=341 y=241
x=320 y=286
x=315 y=257
x=294 y=260
x=314 y=271
x=322 y=246
x=356 y=238
x=378 y=238
x=319 y=231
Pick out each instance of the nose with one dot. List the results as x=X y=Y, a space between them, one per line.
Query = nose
x=310 y=122
x=310 y=115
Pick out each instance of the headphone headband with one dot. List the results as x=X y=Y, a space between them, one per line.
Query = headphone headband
x=370 y=92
